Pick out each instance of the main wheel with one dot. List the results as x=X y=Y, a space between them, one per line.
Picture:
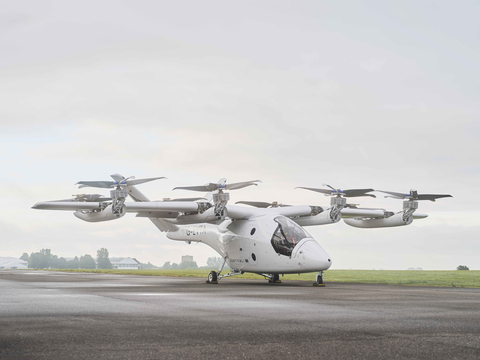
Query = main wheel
x=212 y=277
x=274 y=279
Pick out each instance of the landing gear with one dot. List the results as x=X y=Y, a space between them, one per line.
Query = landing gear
x=212 y=277
x=319 y=279
x=274 y=278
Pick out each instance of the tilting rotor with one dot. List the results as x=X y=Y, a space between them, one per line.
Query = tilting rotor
x=338 y=201
x=119 y=195
x=220 y=198
x=338 y=192
x=410 y=205
x=120 y=181
x=413 y=195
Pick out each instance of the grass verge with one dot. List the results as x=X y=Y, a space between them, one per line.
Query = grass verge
x=455 y=278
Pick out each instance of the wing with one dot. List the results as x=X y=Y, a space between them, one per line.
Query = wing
x=362 y=213
x=140 y=207
x=243 y=212
x=68 y=206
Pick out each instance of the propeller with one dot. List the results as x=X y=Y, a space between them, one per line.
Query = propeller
x=220 y=185
x=119 y=182
x=339 y=192
x=86 y=198
x=414 y=195
x=261 y=204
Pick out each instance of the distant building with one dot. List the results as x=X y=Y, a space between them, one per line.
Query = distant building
x=125 y=264
x=187 y=258
x=13 y=263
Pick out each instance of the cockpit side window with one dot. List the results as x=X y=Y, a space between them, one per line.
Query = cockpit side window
x=287 y=235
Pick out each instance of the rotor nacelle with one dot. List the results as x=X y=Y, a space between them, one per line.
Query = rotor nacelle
x=392 y=221
x=99 y=216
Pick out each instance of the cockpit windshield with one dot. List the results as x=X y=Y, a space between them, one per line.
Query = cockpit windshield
x=287 y=235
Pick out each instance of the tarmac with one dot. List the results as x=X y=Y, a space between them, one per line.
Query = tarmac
x=59 y=315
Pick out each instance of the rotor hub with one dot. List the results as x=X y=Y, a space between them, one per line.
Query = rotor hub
x=118 y=199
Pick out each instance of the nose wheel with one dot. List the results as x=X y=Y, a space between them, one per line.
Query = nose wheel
x=319 y=279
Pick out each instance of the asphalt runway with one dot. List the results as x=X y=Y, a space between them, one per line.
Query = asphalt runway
x=58 y=315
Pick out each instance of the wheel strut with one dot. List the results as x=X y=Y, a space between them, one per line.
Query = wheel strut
x=319 y=280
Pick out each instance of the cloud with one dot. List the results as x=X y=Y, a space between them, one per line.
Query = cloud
x=373 y=65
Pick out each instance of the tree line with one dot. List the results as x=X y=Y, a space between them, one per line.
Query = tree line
x=44 y=259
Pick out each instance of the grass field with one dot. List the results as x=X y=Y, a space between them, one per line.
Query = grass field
x=455 y=278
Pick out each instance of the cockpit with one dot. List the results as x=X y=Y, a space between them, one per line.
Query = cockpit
x=287 y=235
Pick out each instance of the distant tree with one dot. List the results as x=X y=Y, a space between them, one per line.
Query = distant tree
x=175 y=266
x=24 y=257
x=53 y=262
x=61 y=263
x=103 y=261
x=214 y=262
x=188 y=265
x=72 y=264
x=45 y=258
x=167 y=265
x=86 y=262
x=40 y=260
x=462 y=267
x=148 y=266
x=34 y=261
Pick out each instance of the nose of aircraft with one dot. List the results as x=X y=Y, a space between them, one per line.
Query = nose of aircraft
x=314 y=257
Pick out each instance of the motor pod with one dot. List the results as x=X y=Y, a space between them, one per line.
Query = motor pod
x=323 y=218
x=104 y=215
x=395 y=220
x=207 y=216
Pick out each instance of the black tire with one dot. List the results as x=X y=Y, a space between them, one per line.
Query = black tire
x=274 y=279
x=212 y=277
x=319 y=279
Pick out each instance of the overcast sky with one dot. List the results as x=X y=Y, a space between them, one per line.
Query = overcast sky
x=295 y=93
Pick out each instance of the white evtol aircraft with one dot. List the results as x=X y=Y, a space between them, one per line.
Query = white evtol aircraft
x=266 y=239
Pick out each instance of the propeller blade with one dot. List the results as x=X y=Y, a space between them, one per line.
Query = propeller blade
x=220 y=185
x=329 y=187
x=432 y=197
x=358 y=192
x=117 y=177
x=413 y=195
x=142 y=181
x=346 y=193
x=242 y=184
x=203 y=188
x=85 y=198
x=323 y=191
x=97 y=184
x=395 y=194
